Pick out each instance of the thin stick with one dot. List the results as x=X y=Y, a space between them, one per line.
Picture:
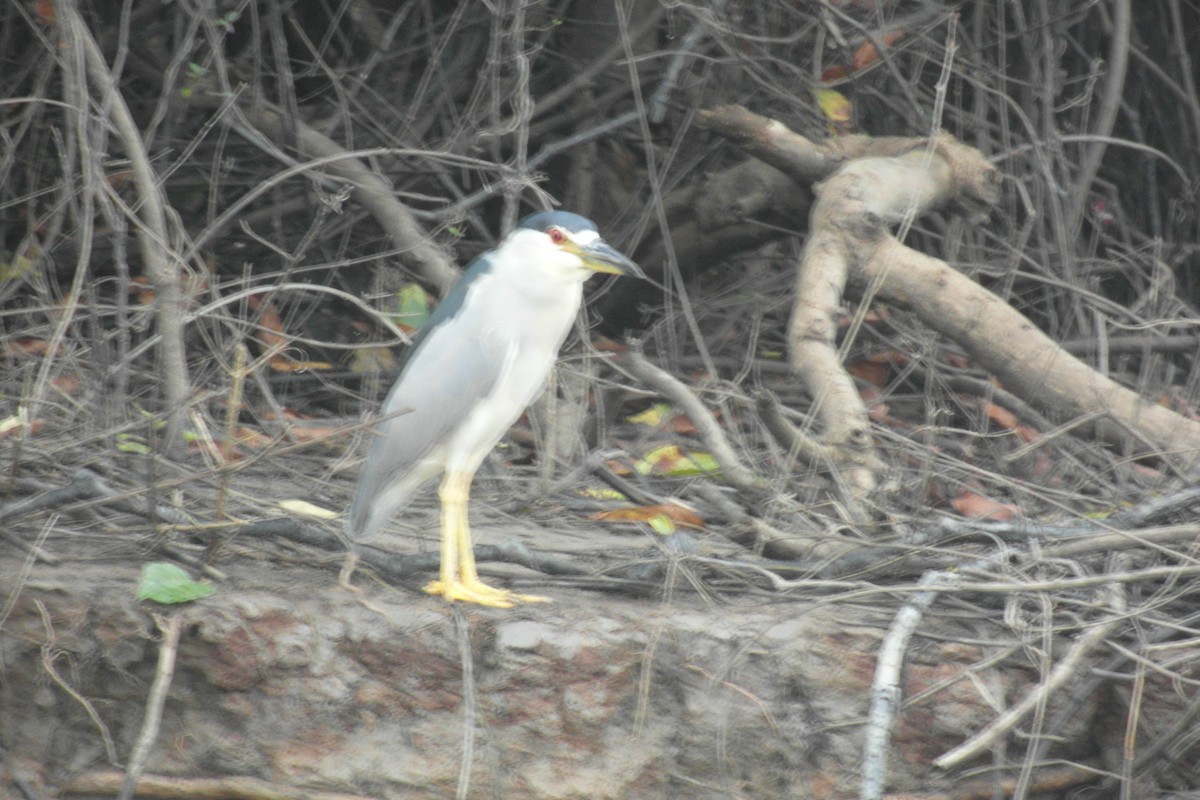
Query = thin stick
x=26 y=568
x=170 y=627
x=885 y=687
x=173 y=788
x=237 y=380
x=49 y=654
x=463 y=631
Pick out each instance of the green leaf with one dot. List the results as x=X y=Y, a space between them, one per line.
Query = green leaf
x=653 y=416
x=158 y=424
x=670 y=461
x=166 y=583
x=15 y=267
x=602 y=494
x=410 y=307
x=132 y=443
x=662 y=524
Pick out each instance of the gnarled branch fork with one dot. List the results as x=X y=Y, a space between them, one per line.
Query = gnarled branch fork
x=866 y=185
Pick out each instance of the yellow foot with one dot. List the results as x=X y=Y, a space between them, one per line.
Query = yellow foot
x=480 y=593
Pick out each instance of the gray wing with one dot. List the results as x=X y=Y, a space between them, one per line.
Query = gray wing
x=444 y=377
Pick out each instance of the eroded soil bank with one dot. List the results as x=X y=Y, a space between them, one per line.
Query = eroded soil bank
x=284 y=677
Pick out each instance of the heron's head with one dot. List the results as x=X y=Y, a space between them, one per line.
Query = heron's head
x=568 y=239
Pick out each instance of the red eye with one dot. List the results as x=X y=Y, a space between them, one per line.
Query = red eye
x=557 y=235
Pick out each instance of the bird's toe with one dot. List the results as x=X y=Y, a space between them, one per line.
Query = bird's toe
x=480 y=593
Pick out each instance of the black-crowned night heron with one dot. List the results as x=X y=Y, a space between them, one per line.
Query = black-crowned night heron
x=482 y=357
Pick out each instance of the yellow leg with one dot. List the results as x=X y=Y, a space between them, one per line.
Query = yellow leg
x=458 y=578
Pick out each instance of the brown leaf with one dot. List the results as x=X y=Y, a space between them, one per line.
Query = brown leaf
x=270 y=326
x=68 y=383
x=284 y=363
x=1007 y=420
x=872 y=370
x=958 y=361
x=682 y=424
x=45 y=13
x=140 y=285
x=26 y=347
x=976 y=506
x=877 y=410
x=249 y=437
x=14 y=427
x=866 y=54
x=607 y=345
x=618 y=467
x=313 y=433
x=832 y=74
x=678 y=514
x=1000 y=415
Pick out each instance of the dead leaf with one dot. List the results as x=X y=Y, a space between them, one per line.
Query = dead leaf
x=68 y=383
x=1000 y=415
x=958 y=361
x=652 y=416
x=45 y=13
x=249 y=437
x=866 y=54
x=833 y=74
x=661 y=414
x=872 y=371
x=607 y=345
x=284 y=363
x=878 y=411
x=304 y=508
x=313 y=433
x=1007 y=420
x=679 y=515
x=17 y=426
x=26 y=347
x=976 y=506
x=117 y=180
x=140 y=287
x=618 y=467
x=270 y=326
x=683 y=425
x=372 y=359
x=671 y=461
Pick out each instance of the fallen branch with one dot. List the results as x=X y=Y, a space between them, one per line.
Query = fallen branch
x=399 y=565
x=886 y=181
x=169 y=788
x=1028 y=362
x=86 y=486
